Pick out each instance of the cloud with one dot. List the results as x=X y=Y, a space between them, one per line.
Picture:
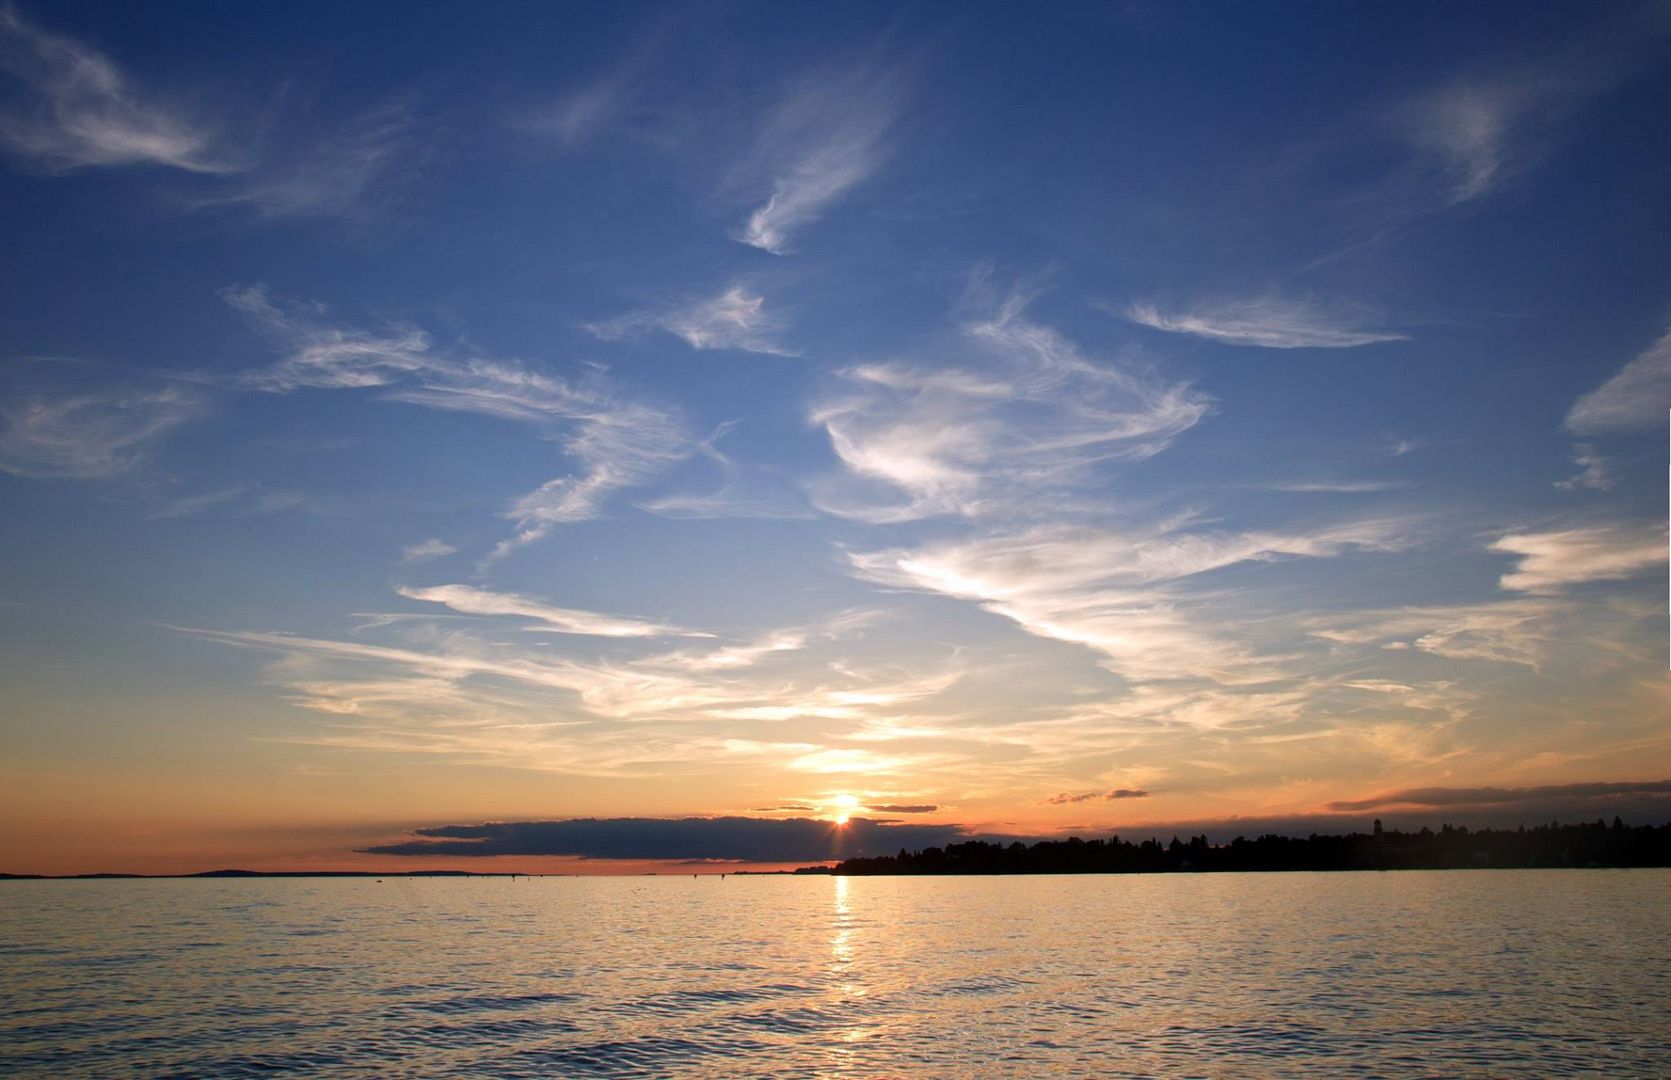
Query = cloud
x=734 y=656
x=746 y=491
x=1022 y=423
x=822 y=140
x=425 y=550
x=621 y=446
x=326 y=172
x=1638 y=397
x=1097 y=796
x=1496 y=796
x=1484 y=128
x=87 y=434
x=735 y=319
x=473 y=601
x=1550 y=562
x=902 y=808
x=75 y=109
x=241 y=499
x=618 y=444
x=1340 y=487
x=1467 y=131
x=741 y=838
x=612 y=103
x=1593 y=472
x=484 y=691
x=1531 y=631
x=1268 y=322
x=576 y=117
x=1105 y=588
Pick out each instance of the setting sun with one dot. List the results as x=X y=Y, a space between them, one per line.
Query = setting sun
x=842 y=807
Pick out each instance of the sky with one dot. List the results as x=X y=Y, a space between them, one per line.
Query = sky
x=580 y=436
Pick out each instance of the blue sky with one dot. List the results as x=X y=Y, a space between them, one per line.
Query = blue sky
x=417 y=415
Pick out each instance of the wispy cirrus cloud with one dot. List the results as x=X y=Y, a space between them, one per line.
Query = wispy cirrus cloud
x=735 y=319
x=1637 y=397
x=1268 y=322
x=63 y=428
x=1533 y=631
x=1339 y=487
x=826 y=137
x=618 y=444
x=1483 y=128
x=479 y=690
x=1067 y=798
x=425 y=550
x=1498 y=796
x=1550 y=562
x=1110 y=590
x=1024 y=421
x=746 y=491
x=326 y=172
x=473 y=601
x=243 y=500
x=1592 y=471
x=73 y=108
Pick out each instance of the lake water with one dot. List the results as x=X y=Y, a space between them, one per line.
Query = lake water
x=1460 y=973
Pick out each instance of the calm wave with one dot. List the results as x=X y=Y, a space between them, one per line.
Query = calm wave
x=1491 y=973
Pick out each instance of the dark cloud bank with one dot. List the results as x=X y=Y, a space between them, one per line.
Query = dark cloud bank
x=788 y=840
x=743 y=838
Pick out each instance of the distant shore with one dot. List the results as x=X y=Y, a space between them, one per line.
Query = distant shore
x=235 y=874
x=1553 y=846
x=1596 y=844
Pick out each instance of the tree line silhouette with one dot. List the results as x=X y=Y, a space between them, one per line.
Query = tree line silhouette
x=1452 y=847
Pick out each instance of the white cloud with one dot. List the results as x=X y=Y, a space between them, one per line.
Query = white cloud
x=424 y=550
x=1639 y=396
x=1551 y=561
x=77 y=110
x=1023 y=421
x=87 y=434
x=1592 y=472
x=1535 y=632
x=474 y=694
x=1511 y=632
x=1266 y=322
x=821 y=141
x=1484 y=128
x=618 y=444
x=611 y=103
x=623 y=447
x=241 y=499
x=577 y=117
x=1340 y=487
x=473 y=601
x=1466 y=129
x=1108 y=590
x=747 y=491
x=735 y=319
x=326 y=173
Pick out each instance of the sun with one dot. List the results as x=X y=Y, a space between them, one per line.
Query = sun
x=842 y=807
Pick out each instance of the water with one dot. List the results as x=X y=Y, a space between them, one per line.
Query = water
x=1483 y=973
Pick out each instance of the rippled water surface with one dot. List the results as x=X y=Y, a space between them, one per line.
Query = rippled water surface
x=1490 y=973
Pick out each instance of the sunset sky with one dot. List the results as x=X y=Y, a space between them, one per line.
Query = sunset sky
x=959 y=419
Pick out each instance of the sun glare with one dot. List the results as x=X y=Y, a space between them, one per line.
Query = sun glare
x=841 y=808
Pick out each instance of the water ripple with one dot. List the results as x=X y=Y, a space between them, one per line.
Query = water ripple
x=1462 y=973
